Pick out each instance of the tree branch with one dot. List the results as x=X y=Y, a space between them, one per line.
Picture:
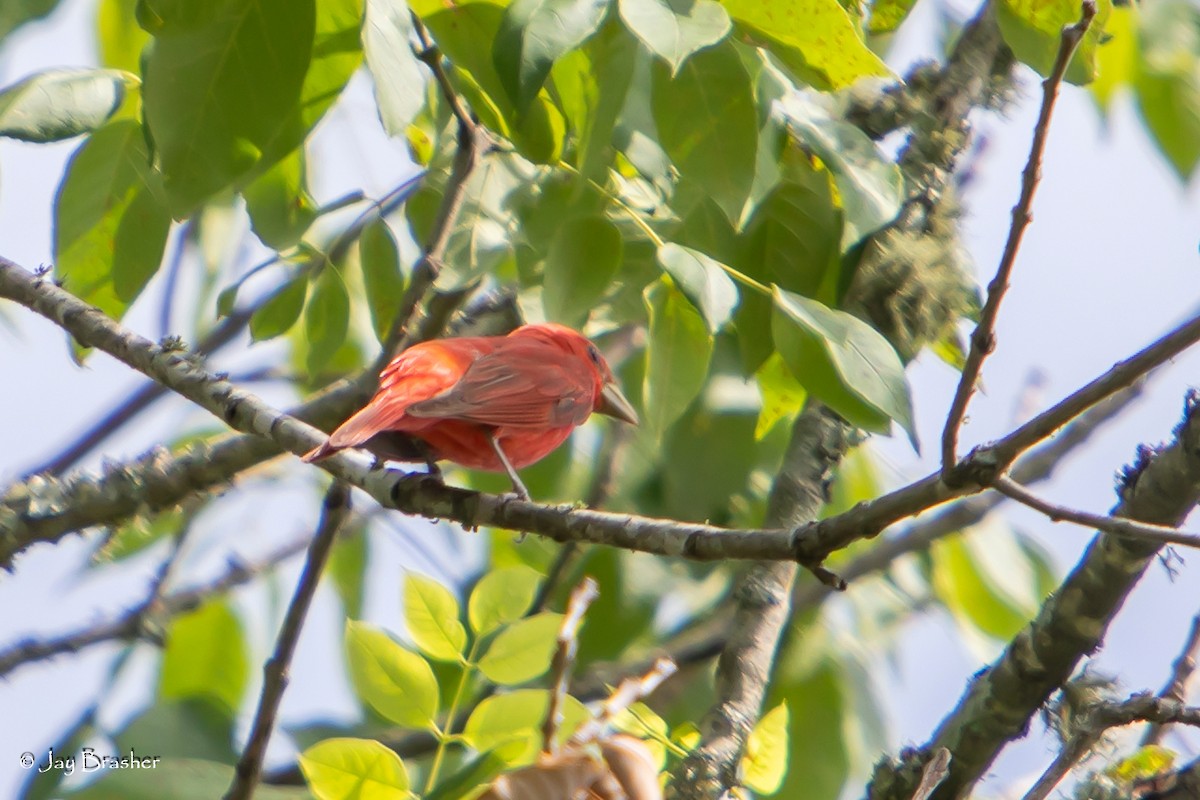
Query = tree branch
x=334 y=511
x=1181 y=674
x=146 y=617
x=1096 y=720
x=1160 y=488
x=1035 y=466
x=983 y=340
x=761 y=610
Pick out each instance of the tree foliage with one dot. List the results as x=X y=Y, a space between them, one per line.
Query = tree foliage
x=699 y=186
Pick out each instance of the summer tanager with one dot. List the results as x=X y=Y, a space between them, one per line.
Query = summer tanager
x=497 y=403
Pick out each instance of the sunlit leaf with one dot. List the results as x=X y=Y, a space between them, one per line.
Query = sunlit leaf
x=702 y=281
x=1116 y=56
x=869 y=183
x=60 y=103
x=399 y=79
x=782 y=394
x=395 y=682
x=816 y=39
x=1033 y=29
x=501 y=596
x=518 y=714
x=674 y=29
x=843 y=361
x=354 y=769
x=206 y=656
x=431 y=615
x=766 y=760
x=533 y=34
x=522 y=650
x=1168 y=81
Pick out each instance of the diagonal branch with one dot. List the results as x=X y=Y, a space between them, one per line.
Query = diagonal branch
x=1161 y=488
x=334 y=511
x=1182 y=672
x=983 y=340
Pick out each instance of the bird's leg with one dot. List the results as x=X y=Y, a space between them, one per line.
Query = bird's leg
x=518 y=487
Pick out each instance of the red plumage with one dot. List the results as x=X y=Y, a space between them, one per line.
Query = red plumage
x=526 y=391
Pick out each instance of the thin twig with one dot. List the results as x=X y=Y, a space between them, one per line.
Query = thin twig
x=564 y=658
x=1176 y=687
x=174 y=265
x=334 y=511
x=1158 y=534
x=132 y=624
x=630 y=691
x=1097 y=720
x=983 y=340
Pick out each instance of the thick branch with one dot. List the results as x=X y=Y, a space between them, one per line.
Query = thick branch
x=334 y=511
x=761 y=611
x=983 y=340
x=1162 y=488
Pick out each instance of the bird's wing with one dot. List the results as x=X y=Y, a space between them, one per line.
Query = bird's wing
x=417 y=374
x=522 y=384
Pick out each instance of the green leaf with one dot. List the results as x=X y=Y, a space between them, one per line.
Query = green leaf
x=431 y=614
x=206 y=655
x=326 y=318
x=178 y=779
x=815 y=39
x=782 y=394
x=591 y=84
x=280 y=207
x=348 y=570
x=1117 y=55
x=58 y=104
x=581 y=262
x=535 y=33
x=697 y=487
x=501 y=596
x=382 y=279
x=522 y=651
x=354 y=769
x=15 y=13
x=842 y=361
x=108 y=177
x=278 y=314
x=702 y=281
x=395 y=682
x=120 y=39
x=814 y=773
x=968 y=579
x=399 y=79
x=517 y=715
x=1033 y=29
x=220 y=81
x=336 y=55
x=678 y=350
x=708 y=124
x=794 y=236
x=196 y=727
x=887 y=15
x=481 y=770
x=766 y=760
x=1168 y=81
x=869 y=184
x=674 y=29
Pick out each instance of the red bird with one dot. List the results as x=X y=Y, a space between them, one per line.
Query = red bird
x=497 y=403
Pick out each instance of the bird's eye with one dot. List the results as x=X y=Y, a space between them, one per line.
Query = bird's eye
x=594 y=354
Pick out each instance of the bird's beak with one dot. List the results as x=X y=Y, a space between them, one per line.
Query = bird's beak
x=615 y=405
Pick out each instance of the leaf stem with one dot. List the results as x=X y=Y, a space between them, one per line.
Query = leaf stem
x=448 y=736
x=636 y=217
